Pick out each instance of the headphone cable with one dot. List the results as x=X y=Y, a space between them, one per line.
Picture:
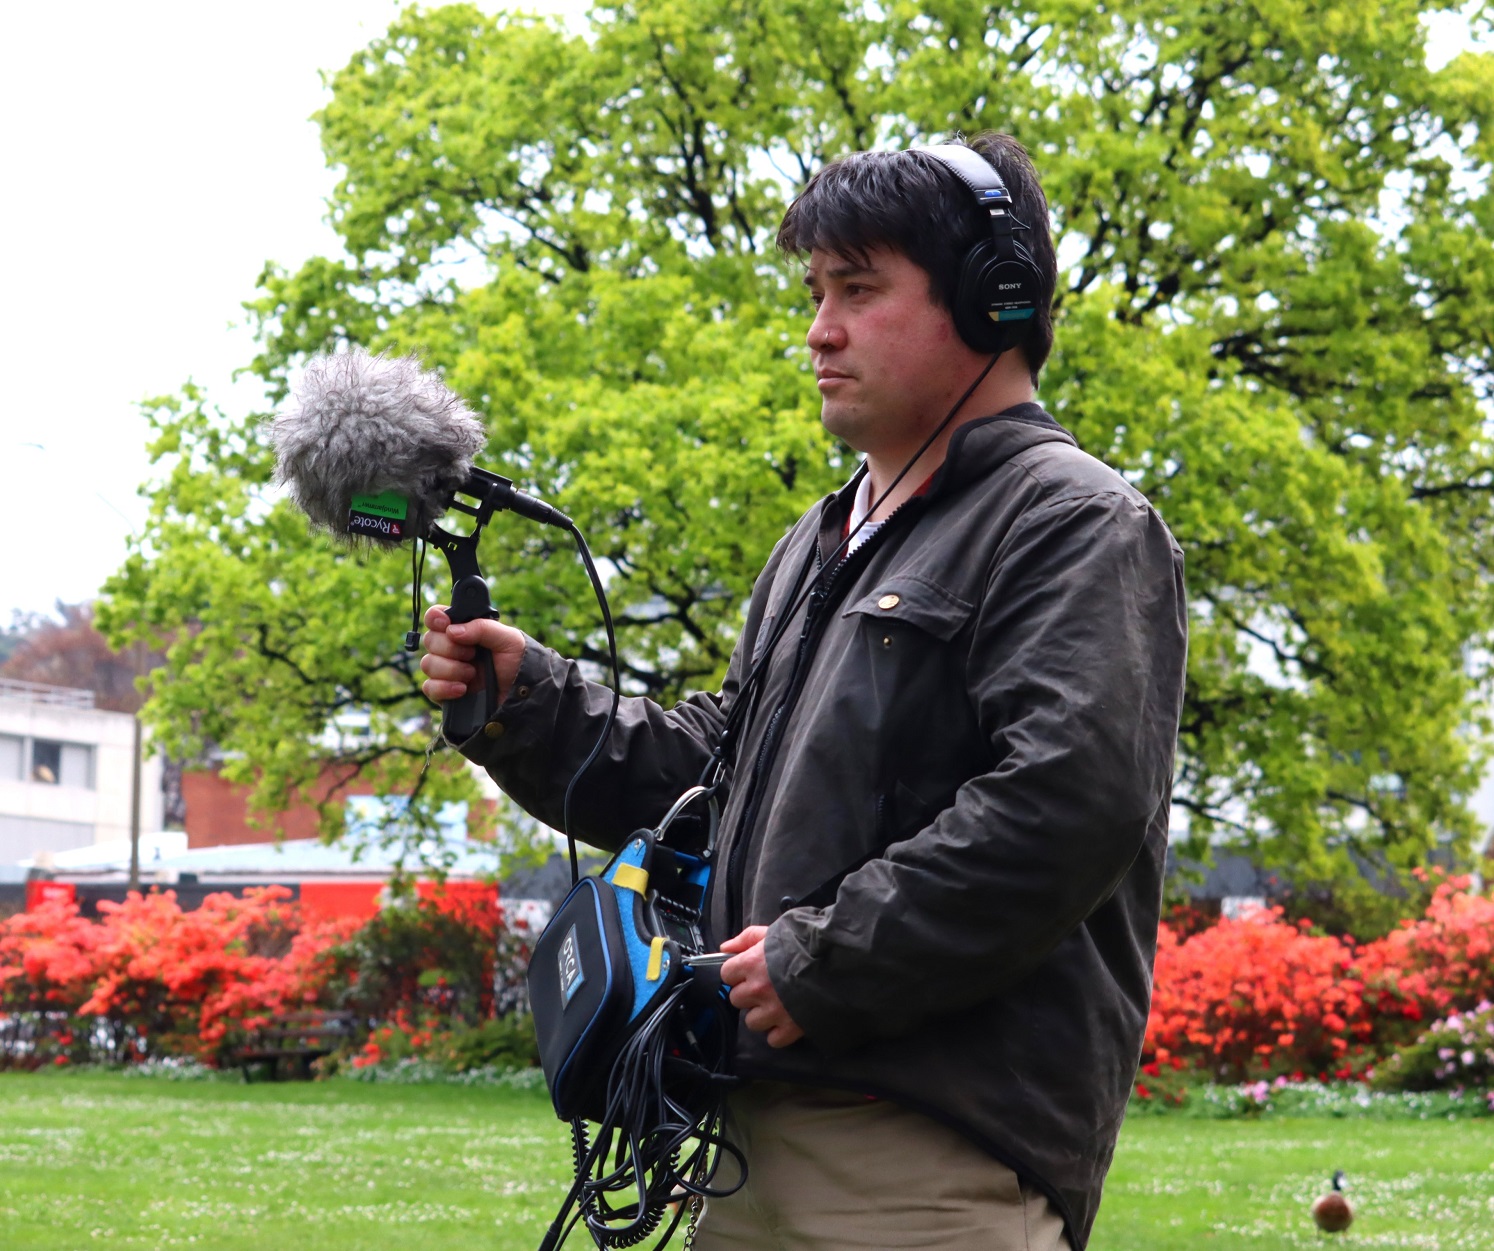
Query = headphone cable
x=715 y=768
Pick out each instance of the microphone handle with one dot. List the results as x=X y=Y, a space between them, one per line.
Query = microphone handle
x=463 y=717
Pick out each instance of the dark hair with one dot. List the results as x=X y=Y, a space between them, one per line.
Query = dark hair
x=915 y=205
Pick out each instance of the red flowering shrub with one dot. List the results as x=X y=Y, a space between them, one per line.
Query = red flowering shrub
x=148 y=979
x=47 y=963
x=1259 y=997
x=1254 y=996
x=1438 y=964
x=47 y=957
x=506 y=1041
x=198 y=977
x=441 y=975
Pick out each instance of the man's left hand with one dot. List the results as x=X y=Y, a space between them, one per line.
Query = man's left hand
x=752 y=991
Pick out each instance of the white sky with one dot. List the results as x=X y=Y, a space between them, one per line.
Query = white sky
x=158 y=154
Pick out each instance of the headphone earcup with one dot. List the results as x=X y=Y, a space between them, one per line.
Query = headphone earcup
x=986 y=281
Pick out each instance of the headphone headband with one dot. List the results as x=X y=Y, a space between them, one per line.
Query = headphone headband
x=972 y=169
x=999 y=281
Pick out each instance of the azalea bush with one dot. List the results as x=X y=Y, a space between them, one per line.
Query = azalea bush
x=442 y=974
x=438 y=979
x=441 y=1046
x=148 y=980
x=1256 y=996
x=1439 y=963
x=1259 y=997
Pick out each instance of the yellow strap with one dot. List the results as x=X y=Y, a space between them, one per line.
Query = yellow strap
x=655 y=958
x=631 y=877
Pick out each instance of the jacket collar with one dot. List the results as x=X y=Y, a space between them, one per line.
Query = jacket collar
x=980 y=446
x=975 y=449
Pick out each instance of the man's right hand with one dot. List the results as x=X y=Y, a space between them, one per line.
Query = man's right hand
x=449 y=649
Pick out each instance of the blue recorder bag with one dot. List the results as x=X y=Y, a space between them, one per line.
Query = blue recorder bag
x=614 y=949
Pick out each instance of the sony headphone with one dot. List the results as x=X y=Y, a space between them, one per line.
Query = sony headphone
x=997 y=295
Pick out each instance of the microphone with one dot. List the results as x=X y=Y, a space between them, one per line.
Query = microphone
x=379 y=448
x=363 y=427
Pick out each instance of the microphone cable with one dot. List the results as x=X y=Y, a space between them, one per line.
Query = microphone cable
x=662 y=1136
x=596 y=585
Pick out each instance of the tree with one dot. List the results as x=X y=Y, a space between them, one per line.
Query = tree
x=70 y=651
x=1273 y=318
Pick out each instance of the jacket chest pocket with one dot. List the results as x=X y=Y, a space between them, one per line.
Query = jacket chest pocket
x=910 y=663
x=914 y=699
x=910 y=608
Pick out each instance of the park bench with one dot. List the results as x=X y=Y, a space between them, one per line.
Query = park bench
x=299 y=1037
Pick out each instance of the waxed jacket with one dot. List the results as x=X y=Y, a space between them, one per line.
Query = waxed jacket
x=949 y=802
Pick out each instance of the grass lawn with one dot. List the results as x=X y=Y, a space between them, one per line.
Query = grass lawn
x=92 y=1160
x=97 y=1159
x=1182 y=1184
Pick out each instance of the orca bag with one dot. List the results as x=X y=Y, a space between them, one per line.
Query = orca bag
x=598 y=965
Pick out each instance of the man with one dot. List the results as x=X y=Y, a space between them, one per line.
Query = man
x=940 y=862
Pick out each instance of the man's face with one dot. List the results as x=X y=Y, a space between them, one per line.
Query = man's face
x=888 y=360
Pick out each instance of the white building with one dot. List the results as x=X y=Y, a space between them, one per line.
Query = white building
x=65 y=772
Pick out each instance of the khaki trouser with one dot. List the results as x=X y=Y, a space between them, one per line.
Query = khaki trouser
x=830 y=1171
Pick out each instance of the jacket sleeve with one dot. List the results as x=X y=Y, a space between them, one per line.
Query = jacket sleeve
x=1075 y=672
x=553 y=717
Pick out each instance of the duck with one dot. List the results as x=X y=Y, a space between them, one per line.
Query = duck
x=1332 y=1211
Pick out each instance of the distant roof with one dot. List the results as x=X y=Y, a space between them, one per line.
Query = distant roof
x=41 y=693
x=298 y=858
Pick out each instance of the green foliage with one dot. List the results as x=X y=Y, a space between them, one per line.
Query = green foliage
x=419 y=958
x=1277 y=280
x=505 y=1042
x=1351 y=906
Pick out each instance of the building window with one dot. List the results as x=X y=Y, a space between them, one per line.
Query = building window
x=11 y=755
x=62 y=764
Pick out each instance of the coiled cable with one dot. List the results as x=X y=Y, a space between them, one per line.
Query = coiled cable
x=662 y=1136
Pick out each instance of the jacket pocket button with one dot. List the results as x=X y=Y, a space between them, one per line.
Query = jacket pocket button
x=887 y=640
x=785 y=904
x=889 y=601
x=493 y=729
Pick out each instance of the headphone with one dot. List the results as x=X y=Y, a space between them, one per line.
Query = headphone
x=997 y=294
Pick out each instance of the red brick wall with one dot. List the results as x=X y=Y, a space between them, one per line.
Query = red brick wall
x=218 y=812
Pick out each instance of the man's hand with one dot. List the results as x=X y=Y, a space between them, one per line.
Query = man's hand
x=449 y=649
x=751 y=990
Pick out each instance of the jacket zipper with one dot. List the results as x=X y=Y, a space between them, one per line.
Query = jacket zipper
x=736 y=863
